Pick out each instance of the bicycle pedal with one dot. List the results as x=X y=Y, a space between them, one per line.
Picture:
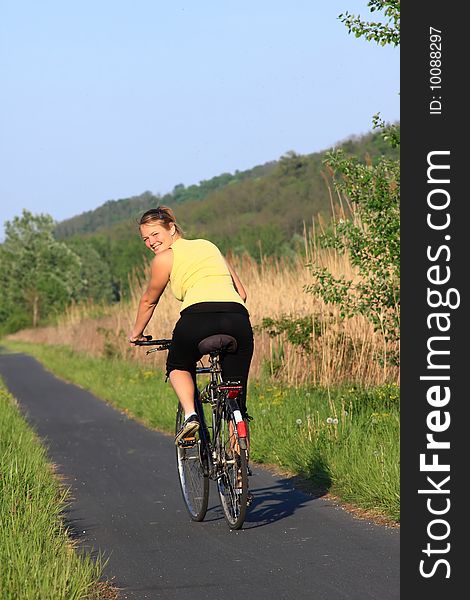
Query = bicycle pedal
x=188 y=442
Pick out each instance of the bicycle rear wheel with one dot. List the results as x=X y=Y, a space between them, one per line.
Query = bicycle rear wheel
x=232 y=482
x=193 y=473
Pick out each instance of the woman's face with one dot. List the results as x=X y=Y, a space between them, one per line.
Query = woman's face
x=156 y=237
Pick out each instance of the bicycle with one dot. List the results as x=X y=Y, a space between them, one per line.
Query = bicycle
x=219 y=450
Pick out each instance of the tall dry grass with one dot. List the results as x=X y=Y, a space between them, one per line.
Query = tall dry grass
x=344 y=351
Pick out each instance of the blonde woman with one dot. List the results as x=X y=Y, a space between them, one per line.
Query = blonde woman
x=213 y=301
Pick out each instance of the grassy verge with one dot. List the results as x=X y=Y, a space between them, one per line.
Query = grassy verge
x=37 y=558
x=345 y=440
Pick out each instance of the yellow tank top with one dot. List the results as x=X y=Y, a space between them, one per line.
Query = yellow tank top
x=200 y=274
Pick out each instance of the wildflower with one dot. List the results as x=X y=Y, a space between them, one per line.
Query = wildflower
x=329 y=420
x=335 y=421
x=299 y=421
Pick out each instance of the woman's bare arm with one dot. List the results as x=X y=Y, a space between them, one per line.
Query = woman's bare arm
x=236 y=282
x=159 y=277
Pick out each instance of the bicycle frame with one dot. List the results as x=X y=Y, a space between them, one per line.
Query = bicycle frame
x=211 y=396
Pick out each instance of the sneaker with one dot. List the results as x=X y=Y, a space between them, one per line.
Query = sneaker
x=189 y=428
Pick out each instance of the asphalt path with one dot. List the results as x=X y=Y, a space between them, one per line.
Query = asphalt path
x=127 y=505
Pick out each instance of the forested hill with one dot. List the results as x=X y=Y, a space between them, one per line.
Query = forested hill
x=261 y=212
x=115 y=211
x=269 y=202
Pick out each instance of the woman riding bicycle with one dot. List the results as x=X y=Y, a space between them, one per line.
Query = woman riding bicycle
x=213 y=302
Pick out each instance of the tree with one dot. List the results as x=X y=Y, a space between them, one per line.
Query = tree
x=39 y=275
x=95 y=282
x=371 y=237
x=382 y=33
x=370 y=234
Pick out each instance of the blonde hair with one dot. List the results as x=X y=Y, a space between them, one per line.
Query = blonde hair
x=162 y=214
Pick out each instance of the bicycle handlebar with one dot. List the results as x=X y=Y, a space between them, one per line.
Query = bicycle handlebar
x=151 y=342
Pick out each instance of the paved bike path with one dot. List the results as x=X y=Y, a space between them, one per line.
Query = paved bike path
x=127 y=504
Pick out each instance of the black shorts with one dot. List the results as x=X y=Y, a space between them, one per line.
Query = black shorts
x=209 y=318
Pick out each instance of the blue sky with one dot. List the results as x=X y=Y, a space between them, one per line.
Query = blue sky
x=106 y=99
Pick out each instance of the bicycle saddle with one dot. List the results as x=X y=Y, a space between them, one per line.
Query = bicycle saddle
x=217 y=343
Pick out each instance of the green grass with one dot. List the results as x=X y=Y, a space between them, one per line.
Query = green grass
x=37 y=559
x=345 y=440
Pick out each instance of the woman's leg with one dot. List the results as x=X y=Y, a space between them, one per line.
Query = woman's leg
x=183 y=384
x=237 y=365
x=181 y=363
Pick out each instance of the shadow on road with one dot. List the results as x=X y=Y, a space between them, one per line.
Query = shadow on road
x=277 y=502
x=280 y=500
x=271 y=503
x=287 y=495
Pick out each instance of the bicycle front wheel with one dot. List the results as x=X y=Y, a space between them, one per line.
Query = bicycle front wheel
x=193 y=473
x=232 y=482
